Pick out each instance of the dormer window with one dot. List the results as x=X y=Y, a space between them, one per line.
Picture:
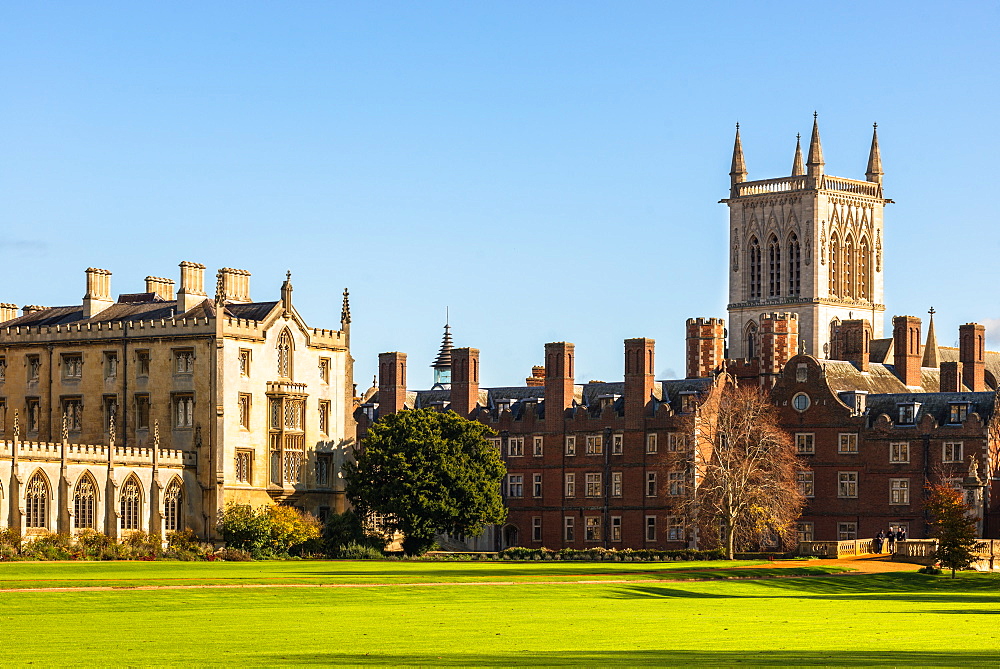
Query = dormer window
x=688 y=402
x=958 y=412
x=907 y=413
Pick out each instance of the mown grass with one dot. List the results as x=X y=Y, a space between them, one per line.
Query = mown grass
x=130 y=574
x=886 y=619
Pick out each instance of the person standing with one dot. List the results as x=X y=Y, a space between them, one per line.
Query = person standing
x=877 y=541
x=890 y=538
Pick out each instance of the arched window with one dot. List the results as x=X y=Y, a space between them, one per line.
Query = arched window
x=754 y=265
x=774 y=267
x=834 y=265
x=794 y=265
x=285 y=346
x=84 y=501
x=172 y=507
x=36 y=502
x=848 y=267
x=131 y=504
x=751 y=341
x=864 y=270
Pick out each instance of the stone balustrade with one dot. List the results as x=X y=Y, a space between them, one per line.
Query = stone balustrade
x=53 y=451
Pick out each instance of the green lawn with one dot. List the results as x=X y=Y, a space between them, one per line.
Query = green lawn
x=889 y=619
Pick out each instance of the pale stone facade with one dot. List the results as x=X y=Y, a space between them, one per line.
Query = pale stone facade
x=808 y=244
x=151 y=412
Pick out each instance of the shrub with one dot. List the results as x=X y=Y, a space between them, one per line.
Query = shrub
x=233 y=555
x=141 y=545
x=355 y=551
x=10 y=539
x=49 y=547
x=291 y=528
x=933 y=571
x=246 y=528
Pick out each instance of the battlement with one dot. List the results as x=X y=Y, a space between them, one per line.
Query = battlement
x=707 y=321
x=140 y=456
x=105 y=330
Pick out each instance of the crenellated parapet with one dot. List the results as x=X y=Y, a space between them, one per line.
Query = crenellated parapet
x=97 y=454
x=106 y=330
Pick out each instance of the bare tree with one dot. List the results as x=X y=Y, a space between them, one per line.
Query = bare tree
x=742 y=473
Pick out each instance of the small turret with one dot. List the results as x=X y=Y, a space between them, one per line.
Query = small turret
x=738 y=172
x=931 y=358
x=286 y=292
x=798 y=169
x=874 y=172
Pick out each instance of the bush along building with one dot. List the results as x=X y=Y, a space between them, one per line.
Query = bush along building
x=875 y=417
x=152 y=411
x=588 y=464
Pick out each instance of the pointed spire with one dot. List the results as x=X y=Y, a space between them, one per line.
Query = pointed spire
x=798 y=169
x=815 y=162
x=931 y=358
x=874 y=172
x=738 y=173
x=345 y=311
x=443 y=360
x=286 y=292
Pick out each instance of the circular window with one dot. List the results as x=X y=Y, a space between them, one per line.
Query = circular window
x=800 y=402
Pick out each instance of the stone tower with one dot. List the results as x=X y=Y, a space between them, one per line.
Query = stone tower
x=808 y=244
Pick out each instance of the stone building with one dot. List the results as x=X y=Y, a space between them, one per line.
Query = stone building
x=153 y=410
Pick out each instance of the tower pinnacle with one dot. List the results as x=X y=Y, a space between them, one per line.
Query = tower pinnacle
x=738 y=172
x=931 y=358
x=874 y=172
x=815 y=163
x=798 y=169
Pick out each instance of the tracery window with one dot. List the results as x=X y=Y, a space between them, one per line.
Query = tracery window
x=751 y=341
x=864 y=270
x=84 y=499
x=130 y=502
x=754 y=266
x=774 y=267
x=794 y=265
x=36 y=502
x=834 y=265
x=172 y=507
x=285 y=355
x=848 y=290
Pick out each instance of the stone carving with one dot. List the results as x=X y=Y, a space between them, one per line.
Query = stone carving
x=809 y=247
x=878 y=250
x=736 y=249
x=822 y=243
x=973 y=467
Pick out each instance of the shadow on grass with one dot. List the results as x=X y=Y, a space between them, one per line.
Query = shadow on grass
x=649 y=657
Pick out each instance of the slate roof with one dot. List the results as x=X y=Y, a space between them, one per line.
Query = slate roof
x=254 y=311
x=937 y=405
x=842 y=376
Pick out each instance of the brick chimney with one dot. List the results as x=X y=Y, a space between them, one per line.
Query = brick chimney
x=464 y=380
x=7 y=311
x=537 y=378
x=639 y=360
x=906 y=349
x=972 y=354
x=853 y=343
x=235 y=284
x=163 y=288
x=951 y=377
x=98 y=296
x=391 y=382
x=706 y=346
x=192 y=290
x=559 y=363
x=779 y=337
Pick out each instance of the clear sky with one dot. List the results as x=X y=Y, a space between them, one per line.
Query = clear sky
x=548 y=170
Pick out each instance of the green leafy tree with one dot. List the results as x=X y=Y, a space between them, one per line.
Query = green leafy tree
x=953 y=526
x=425 y=472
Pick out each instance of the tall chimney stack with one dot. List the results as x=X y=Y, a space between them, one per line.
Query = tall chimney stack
x=192 y=291
x=464 y=380
x=162 y=288
x=98 y=297
x=972 y=354
x=7 y=312
x=391 y=382
x=235 y=284
x=559 y=385
x=906 y=349
x=639 y=361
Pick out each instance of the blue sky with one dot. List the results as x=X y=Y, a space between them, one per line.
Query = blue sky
x=549 y=171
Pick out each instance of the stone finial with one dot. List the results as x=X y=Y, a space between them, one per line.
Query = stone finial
x=156 y=434
x=286 y=292
x=345 y=310
x=874 y=172
x=738 y=172
x=815 y=163
x=17 y=425
x=111 y=430
x=65 y=427
x=220 y=289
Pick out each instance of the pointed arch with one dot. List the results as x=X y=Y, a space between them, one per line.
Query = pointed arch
x=173 y=498
x=864 y=269
x=37 y=495
x=130 y=503
x=773 y=266
x=794 y=264
x=848 y=266
x=84 y=502
x=286 y=347
x=834 y=265
x=753 y=265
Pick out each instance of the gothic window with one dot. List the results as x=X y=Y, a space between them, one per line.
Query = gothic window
x=864 y=270
x=774 y=267
x=794 y=265
x=754 y=265
x=285 y=355
x=172 y=507
x=751 y=341
x=36 y=502
x=130 y=502
x=84 y=500
x=834 y=265
x=848 y=265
